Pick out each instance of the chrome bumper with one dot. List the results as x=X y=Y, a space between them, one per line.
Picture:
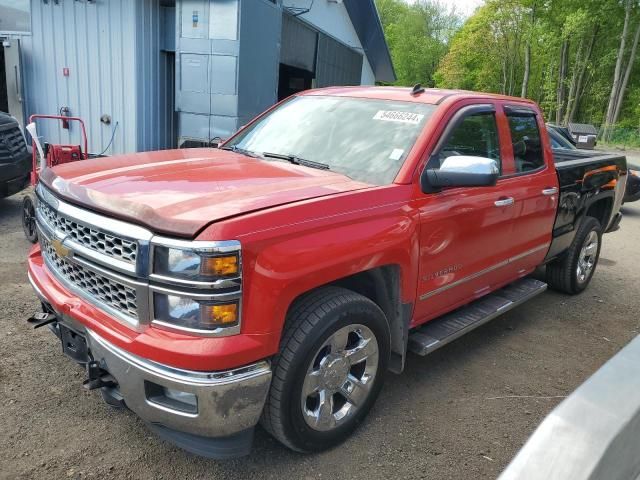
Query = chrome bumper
x=227 y=402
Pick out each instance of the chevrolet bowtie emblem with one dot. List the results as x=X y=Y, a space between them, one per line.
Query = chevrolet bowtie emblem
x=60 y=249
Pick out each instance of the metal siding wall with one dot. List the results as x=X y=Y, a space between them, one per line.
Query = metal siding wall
x=94 y=40
x=260 y=31
x=207 y=52
x=154 y=84
x=337 y=64
x=299 y=44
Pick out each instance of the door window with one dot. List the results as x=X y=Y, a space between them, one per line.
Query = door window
x=527 y=147
x=475 y=136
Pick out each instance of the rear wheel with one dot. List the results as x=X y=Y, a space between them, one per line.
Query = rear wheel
x=29 y=219
x=574 y=271
x=330 y=369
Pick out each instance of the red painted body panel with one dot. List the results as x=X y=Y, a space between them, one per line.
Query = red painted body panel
x=179 y=192
x=302 y=228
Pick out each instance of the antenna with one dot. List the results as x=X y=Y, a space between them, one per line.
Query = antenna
x=417 y=89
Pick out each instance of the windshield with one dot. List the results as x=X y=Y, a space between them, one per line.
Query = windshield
x=367 y=140
x=558 y=141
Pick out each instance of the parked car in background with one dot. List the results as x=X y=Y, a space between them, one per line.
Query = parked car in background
x=15 y=157
x=562 y=131
x=558 y=140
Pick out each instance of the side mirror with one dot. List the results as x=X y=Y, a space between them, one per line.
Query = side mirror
x=461 y=171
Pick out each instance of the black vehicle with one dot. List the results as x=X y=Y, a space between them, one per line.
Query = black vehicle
x=560 y=144
x=562 y=132
x=558 y=140
x=15 y=157
x=633 y=184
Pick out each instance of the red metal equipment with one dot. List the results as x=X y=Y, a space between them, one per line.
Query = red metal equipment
x=58 y=154
x=55 y=154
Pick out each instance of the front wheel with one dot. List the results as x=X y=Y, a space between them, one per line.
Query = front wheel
x=29 y=219
x=329 y=371
x=574 y=271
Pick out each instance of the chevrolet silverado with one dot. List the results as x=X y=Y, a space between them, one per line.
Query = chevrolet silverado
x=277 y=279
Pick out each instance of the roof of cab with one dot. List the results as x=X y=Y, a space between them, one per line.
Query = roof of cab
x=432 y=96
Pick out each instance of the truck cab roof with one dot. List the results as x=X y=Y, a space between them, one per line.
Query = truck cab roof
x=431 y=96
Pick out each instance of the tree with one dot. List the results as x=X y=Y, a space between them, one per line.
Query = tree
x=574 y=57
x=418 y=36
x=616 y=86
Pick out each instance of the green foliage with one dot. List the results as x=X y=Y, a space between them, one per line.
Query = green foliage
x=418 y=36
x=488 y=54
x=431 y=45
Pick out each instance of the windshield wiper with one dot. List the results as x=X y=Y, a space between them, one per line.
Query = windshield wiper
x=297 y=160
x=242 y=151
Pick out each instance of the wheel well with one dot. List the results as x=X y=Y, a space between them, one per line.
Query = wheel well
x=381 y=285
x=601 y=211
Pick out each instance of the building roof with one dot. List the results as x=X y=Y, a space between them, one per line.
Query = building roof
x=366 y=22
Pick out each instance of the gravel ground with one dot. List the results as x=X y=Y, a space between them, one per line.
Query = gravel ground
x=462 y=412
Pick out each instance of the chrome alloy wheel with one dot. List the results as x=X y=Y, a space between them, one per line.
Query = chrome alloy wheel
x=587 y=258
x=340 y=377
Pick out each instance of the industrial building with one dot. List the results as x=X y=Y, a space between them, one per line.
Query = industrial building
x=155 y=74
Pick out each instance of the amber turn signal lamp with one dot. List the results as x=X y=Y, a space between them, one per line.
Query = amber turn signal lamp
x=219 y=266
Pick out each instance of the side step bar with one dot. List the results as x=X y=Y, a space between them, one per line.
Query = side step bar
x=440 y=331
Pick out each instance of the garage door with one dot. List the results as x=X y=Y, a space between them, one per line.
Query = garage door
x=337 y=64
x=299 y=43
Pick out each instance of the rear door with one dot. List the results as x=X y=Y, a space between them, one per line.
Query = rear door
x=533 y=185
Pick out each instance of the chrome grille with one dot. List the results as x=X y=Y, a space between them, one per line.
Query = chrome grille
x=102 y=289
x=91 y=238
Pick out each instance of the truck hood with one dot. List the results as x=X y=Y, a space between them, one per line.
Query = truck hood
x=179 y=192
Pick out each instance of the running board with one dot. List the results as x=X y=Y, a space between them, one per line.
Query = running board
x=440 y=331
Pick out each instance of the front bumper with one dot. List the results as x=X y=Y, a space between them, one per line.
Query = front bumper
x=227 y=403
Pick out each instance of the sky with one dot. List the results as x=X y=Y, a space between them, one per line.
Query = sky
x=463 y=7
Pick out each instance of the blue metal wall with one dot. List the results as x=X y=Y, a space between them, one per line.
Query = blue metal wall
x=112 y=51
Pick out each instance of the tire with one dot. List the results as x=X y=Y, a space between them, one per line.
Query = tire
x=310 y=358
x=29 y=219
x=563 y=274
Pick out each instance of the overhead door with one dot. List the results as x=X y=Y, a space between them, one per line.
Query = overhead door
x=299 y=44
x=336 y=63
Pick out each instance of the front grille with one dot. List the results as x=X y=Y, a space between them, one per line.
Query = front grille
x=12 y=144
x=102 y=289
x=89 y=237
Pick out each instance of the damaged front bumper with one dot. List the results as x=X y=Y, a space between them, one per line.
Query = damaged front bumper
x=208 y=413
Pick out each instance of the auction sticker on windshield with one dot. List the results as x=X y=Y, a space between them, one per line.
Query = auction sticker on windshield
x=401 y=117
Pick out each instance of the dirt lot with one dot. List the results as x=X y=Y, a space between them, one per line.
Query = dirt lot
x=460 y=413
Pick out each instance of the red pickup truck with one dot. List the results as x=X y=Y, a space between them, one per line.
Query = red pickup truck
x=278 y=278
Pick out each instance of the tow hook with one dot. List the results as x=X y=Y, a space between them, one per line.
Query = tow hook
x=98 y=377
x=41 y=319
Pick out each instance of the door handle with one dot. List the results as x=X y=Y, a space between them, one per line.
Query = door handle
x=504 y=202
x=550 y=191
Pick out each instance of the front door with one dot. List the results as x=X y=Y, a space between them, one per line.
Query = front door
x=465 y=233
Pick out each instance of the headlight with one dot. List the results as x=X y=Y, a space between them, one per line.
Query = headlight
x=635 y=173
x=195 y=314
x=190 y=264
x=197 y=286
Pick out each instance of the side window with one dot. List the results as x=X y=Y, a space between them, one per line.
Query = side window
x=476 y=136
x=527 y=147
